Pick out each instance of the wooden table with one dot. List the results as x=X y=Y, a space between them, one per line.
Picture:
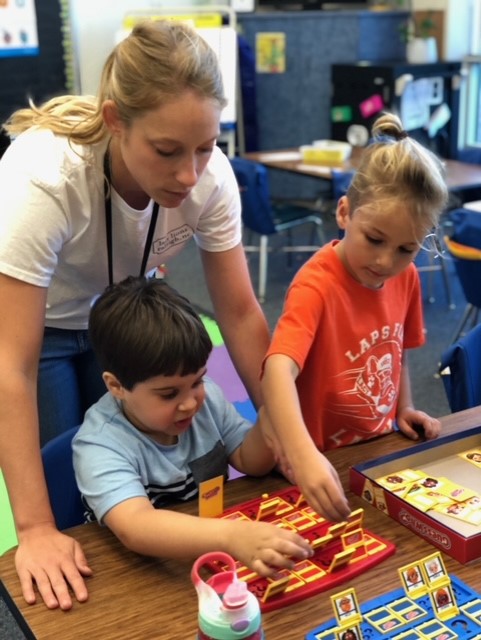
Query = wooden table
x=136 y=598
x=459 y=175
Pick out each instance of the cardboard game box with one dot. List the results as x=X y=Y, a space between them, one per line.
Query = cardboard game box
x=433 y=488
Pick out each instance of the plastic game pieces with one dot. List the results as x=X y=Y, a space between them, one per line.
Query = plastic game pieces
x=430 y=606
x=341 y=550
x=432 y=493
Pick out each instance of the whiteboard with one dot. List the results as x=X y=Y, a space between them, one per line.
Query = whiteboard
x=224 y=42
x=94 y=34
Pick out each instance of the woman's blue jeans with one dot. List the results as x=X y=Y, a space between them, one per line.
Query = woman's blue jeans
x=69 y=381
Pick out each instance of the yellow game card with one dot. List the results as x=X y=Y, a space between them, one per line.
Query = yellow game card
x=455 y=491
x=473 y=456
x=354 y=539
x=435 y=571
x=341 y=559
x=444 y=602
x=418 y=497
x=397 y=481
x=211 y=497
x=413 y=579
x=354 y=519
x=346 y=608
x=349 y=633
x=459 y=510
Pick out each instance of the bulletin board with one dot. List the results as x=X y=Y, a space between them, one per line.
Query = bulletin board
x=18 y=29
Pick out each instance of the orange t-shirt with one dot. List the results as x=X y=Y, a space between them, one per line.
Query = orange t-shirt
x=348 y=342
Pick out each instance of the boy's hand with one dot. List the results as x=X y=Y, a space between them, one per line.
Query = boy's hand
x=265 y=548
x=410 y=420
x=320 y=485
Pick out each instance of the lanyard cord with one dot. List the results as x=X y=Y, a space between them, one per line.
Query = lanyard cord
x=108 y=225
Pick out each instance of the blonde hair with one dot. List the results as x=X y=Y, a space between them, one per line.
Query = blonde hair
x=153 y=65
x=397 y=167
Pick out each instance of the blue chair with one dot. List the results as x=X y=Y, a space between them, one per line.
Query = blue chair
x=340 y=181
x=460 y=371
x=61 y=484
x=464 y=249
x=266 y=218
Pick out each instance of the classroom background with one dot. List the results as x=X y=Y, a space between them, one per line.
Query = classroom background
x=281 y=103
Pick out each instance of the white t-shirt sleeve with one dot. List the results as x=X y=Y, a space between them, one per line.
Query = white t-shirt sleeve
x=219 y=226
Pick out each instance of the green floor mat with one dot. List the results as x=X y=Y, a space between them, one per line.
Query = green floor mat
x=213 y=331
x=8 y=536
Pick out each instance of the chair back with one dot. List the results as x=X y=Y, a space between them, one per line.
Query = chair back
x=62 y=487
x=461 y=371
x=467 y=233
x=340 y=182
x=253 y=181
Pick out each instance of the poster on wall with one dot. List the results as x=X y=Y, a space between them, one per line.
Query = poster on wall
x=18 y=28
x=270 y=52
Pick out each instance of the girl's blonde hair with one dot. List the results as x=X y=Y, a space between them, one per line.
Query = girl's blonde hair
x=153 y=65
x=397 y=167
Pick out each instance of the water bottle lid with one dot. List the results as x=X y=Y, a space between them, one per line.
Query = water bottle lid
x=236 y=595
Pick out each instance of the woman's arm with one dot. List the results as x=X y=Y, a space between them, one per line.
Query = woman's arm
x=45 y=556
x=238 y=313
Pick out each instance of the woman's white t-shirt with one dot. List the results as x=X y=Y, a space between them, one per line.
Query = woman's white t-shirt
x=52 y=222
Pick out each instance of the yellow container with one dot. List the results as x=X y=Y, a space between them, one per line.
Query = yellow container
x=328 y=152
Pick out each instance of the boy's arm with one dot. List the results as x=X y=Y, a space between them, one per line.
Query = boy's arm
x=408 y=418
x=168 y=534
x=316 y=477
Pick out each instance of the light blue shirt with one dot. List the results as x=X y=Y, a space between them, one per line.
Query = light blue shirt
x=114 y=461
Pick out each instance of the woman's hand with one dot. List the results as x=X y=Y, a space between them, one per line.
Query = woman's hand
x=54 y=562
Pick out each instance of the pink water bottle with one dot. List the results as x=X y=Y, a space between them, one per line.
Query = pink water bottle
x=227 y=609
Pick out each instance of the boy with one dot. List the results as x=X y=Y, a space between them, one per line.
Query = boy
x=163 y=428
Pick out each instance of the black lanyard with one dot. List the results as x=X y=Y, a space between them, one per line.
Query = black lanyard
x=108 y=225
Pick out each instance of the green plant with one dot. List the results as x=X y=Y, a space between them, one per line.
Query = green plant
x=421 y=28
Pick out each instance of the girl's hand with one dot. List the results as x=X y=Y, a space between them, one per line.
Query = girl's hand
x=320 y=485
x=410 y=420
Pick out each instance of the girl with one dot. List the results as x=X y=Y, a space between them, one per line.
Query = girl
x=336 y=370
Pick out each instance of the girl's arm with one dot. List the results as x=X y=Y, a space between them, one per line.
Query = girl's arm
x=254 y=457
x=168 y=534
x=408 y=418
x=240 y=317
x=316 y=477
x=45 y=556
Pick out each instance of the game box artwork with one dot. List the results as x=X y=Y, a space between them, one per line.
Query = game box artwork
x=433 y=488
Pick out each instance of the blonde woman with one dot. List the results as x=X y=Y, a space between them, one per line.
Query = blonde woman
x=93 y=190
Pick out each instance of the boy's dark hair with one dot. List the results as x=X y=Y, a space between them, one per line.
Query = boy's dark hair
x=141 y=328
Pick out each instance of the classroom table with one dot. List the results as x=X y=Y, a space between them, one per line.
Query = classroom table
x=459 y=175
x=137 y=598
